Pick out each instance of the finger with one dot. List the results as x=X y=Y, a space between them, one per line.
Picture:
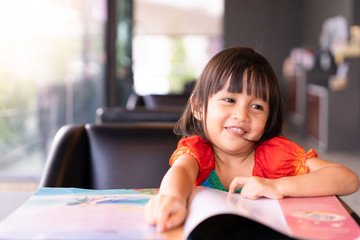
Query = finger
x=149 y=213
x=236 y=182
x=233 y=186
x=249 y=194
x=176 y=218
x=252 y=197
x=163 y=215
x=251 y=189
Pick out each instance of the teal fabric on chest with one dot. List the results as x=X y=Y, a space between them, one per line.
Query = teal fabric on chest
x=213 y=181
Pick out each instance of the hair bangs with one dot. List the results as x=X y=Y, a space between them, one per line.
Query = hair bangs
x=220 y=79
x=254 y=80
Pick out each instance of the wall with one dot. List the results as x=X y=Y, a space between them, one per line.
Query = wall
x=272 y=28
x=316 y=12
x=275 y=27
x=355 y=12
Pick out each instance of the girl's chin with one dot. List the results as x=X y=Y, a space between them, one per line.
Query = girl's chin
x=239 y=144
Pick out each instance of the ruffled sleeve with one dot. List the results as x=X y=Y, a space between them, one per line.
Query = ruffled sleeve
x=280 y=157
x=201 y=150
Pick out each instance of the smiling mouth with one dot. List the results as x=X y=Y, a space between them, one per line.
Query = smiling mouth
x=236 y=130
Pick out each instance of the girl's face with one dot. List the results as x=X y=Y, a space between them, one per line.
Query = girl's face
x=235 y=121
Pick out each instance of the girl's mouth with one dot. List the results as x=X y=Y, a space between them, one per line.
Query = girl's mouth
x=236 y=130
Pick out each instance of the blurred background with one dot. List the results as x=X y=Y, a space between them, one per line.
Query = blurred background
x=61 y=60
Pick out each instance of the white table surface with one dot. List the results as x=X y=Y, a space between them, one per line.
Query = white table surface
x=10 y=201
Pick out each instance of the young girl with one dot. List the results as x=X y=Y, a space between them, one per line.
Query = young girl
x=231 y=141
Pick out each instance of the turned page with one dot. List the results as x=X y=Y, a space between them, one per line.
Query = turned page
x=305 y=218
x=206 y=202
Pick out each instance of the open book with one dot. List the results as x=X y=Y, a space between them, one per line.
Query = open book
x=73 y=213
x=214 y=212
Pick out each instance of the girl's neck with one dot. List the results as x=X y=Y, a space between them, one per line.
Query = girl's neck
x=228 y=159
x=229 y=167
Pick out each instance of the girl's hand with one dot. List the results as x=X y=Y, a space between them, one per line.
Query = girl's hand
x=256 y=187
x=165 y=212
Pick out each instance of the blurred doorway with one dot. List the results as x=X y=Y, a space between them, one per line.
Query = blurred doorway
x=172 y=42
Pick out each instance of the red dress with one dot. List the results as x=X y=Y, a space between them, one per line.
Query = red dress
x=275 y=158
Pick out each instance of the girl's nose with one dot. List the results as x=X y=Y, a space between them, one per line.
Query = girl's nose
x=241 y=115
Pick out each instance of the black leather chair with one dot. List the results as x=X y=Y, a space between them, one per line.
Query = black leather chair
x=107 y=156
x=152 y=101
x=140 y=114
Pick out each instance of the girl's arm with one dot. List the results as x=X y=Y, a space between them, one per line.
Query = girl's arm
x=324 y=178
x=169 y=208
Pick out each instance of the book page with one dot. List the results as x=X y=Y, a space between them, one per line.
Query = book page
x=305 y=218
x=207 y=202
x=71 y=213
x=319 y=218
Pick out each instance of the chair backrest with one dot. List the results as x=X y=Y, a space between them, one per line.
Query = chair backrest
x=124 y=115
x=169 y=100
x=67 y=164
x=106 y=156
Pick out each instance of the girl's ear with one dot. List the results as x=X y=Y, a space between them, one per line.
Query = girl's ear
x=195 y=109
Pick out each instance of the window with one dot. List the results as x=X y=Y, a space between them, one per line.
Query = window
x=51 y=74
x=52 y=64
x=172 y=42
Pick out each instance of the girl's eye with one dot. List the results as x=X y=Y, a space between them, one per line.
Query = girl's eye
x=230 y=100
x=259 y=107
